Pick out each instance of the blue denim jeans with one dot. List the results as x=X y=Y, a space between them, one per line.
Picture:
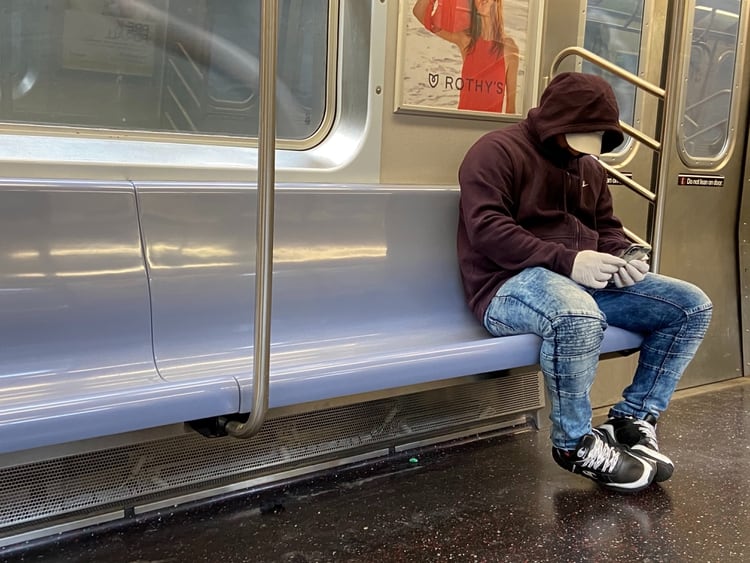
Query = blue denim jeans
x=673 y=316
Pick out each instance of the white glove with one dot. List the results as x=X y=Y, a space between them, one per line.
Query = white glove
x=594 y=269
x=631 y=273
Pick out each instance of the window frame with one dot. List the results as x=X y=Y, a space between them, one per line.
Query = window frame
x=202 y=138
x=715 y=161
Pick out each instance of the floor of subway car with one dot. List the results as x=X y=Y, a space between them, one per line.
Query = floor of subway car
x=500 y=499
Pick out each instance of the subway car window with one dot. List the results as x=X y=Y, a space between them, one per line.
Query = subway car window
x=614 y=31
x=705 y=124
x=189 y=66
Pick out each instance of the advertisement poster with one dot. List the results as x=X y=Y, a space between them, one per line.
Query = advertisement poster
x=113 y=37
x=464 y=57
x=108 y=44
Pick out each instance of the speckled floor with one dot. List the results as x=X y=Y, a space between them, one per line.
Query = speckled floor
x=501 y=499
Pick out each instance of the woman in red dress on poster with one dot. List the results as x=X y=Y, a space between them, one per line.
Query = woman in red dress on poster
x=489 y=72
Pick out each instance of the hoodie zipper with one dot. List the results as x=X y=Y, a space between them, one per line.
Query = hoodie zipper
x=569 y=182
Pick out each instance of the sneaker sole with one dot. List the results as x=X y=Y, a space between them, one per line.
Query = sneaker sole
x=646 y=479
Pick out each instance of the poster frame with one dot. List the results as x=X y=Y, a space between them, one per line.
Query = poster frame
x=528 y=78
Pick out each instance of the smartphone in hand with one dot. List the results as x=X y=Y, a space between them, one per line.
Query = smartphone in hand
x=635 y=252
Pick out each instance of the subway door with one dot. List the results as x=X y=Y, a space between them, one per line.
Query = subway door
x=704 y=177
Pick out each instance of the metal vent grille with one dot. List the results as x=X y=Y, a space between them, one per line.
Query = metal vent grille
x=38 y=494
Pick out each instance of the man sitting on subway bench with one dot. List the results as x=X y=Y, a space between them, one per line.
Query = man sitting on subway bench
x=541 y=252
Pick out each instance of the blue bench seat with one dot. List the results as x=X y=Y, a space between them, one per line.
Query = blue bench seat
x=366 y=298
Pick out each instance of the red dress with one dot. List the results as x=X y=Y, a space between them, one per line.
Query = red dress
x=482 y=79
x=482 y=85
x=450 y=15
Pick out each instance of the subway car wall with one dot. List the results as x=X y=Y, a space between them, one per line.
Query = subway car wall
x=132 y=261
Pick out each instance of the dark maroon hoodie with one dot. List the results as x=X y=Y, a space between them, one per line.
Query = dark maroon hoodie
x=526 y=202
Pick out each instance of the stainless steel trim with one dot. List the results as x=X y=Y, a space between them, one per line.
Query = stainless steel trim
x=61 y=528
x=65 y=184
x=478 y=432
x=674 y=81
x=264 y=256
x=258 y=481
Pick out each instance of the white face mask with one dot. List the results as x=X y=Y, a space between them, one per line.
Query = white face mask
x=585 y=143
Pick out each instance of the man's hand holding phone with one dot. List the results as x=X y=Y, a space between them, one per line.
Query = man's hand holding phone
x=636 y=252
x=636 y=256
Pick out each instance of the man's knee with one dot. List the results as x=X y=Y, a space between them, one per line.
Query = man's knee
x=686 y=296
x=694 y=300
x=699 y=315
x=578 y=333
x=695 y=305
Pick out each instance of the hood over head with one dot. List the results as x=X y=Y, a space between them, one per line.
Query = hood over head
x=576 y=102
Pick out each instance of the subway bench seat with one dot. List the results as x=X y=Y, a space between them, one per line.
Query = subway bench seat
x=152 y=325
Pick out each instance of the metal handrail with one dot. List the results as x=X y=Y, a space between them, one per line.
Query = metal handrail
x=647 y=140
x=705 y=129
x=608 y=66
x=264 y=228
x=629 y=182
x=635 y=238
x=709 y=98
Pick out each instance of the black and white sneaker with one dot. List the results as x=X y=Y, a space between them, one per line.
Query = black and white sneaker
x=640 y=437
x=610 y=465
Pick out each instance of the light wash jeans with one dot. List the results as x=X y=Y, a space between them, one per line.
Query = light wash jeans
x=673 y=316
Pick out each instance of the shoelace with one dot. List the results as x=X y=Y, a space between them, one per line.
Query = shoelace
x=648 y=431
x=601 y=455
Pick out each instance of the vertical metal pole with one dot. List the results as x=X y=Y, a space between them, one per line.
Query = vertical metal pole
x=266 y=197
x=670 y=118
